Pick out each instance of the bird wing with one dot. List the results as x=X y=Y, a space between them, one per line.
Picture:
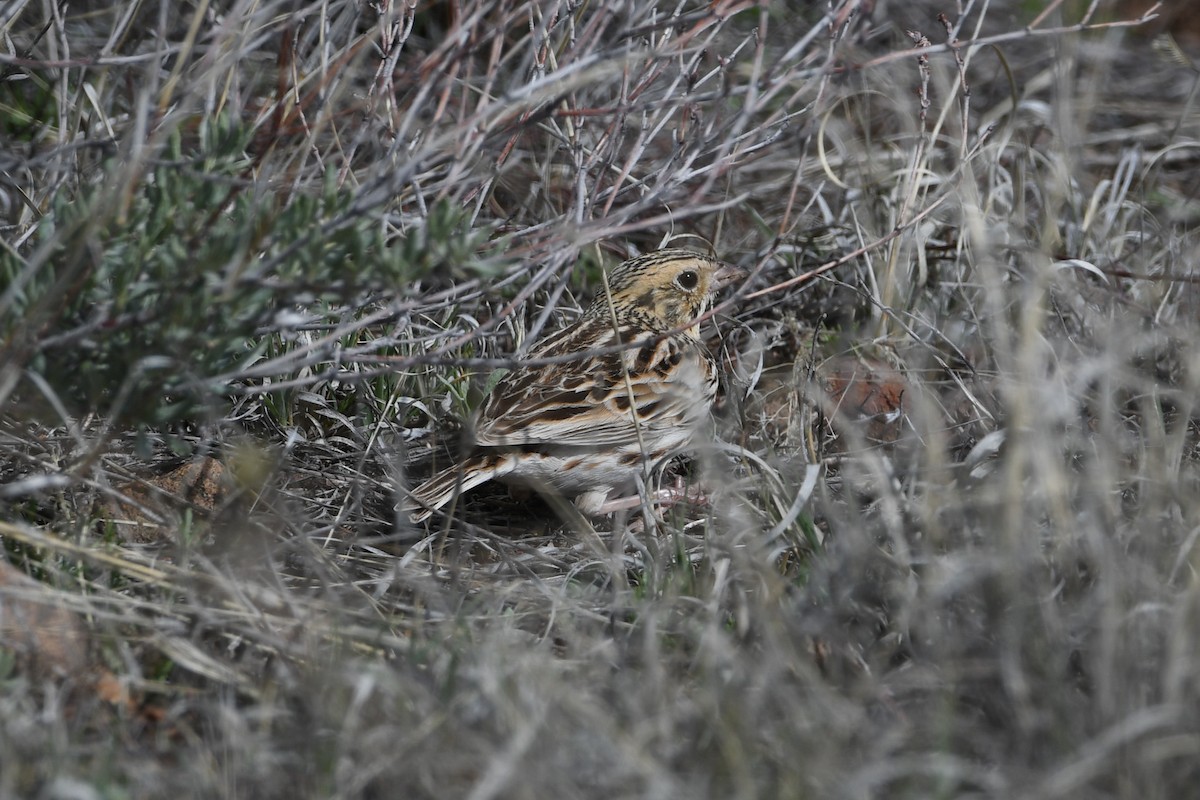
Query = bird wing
x=589 y=403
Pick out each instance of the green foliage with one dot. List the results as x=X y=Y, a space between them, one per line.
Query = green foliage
x=446 y=240
x=140 y=297
x=26 y=107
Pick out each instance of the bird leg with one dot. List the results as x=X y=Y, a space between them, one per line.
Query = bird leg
x=664 y=498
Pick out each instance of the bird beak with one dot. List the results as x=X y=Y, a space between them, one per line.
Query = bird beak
x=727 y=274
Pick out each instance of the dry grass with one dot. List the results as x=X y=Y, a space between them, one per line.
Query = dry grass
x=259 y=260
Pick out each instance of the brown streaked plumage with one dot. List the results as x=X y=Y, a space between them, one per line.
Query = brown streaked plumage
x=585 y=428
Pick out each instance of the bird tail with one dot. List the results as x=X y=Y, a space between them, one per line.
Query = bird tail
x=453 y=481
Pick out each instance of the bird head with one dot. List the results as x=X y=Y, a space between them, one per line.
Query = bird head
x=668 y=287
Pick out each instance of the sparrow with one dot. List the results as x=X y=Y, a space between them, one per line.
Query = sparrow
x=639 y=388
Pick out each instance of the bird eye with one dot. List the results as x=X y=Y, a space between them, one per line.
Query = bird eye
x=687 y=280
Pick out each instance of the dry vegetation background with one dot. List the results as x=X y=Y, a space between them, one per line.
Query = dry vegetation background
x=260 y=259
